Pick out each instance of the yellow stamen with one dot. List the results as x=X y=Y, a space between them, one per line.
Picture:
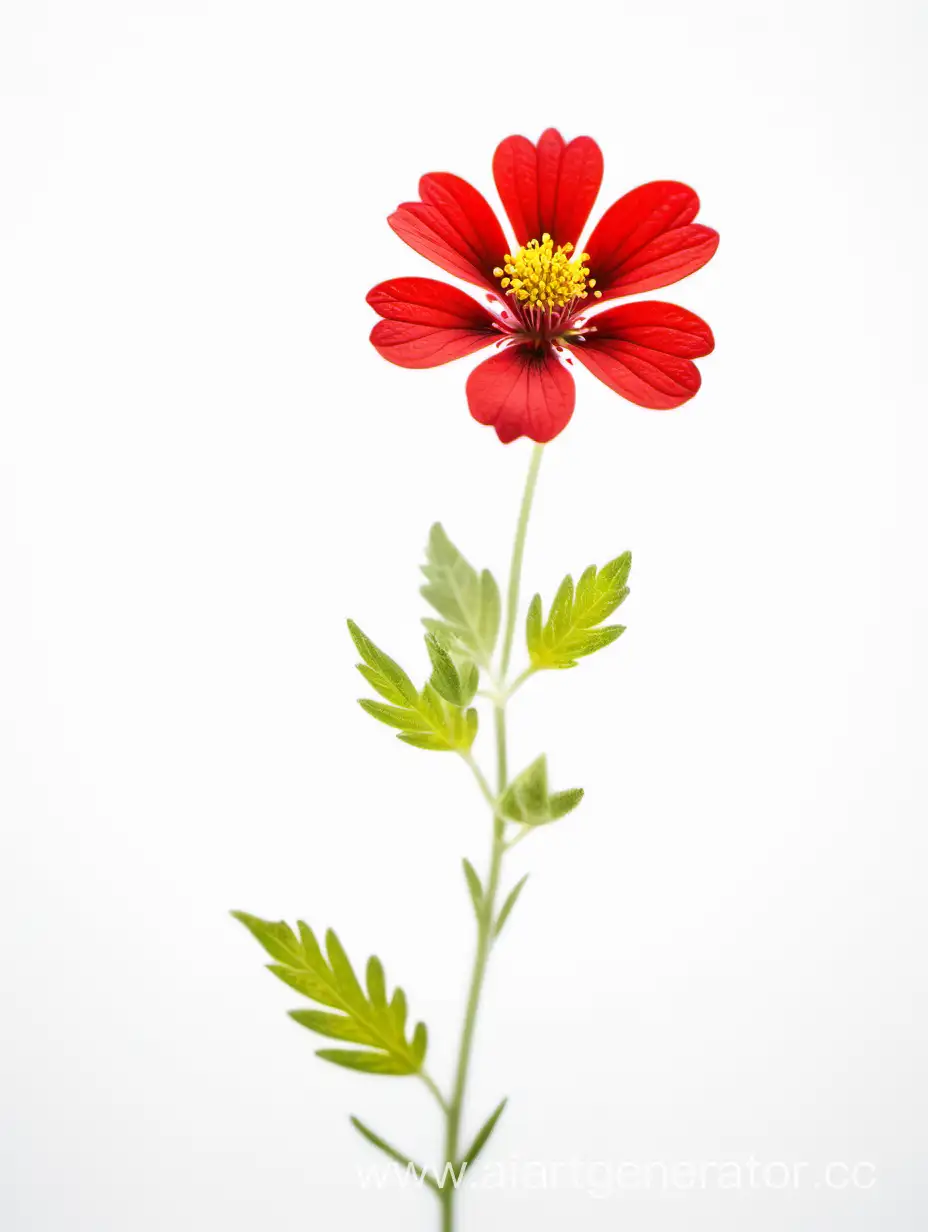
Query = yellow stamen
x=542 y=276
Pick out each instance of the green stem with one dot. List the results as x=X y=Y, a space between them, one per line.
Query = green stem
x=481 y=780
x=518 y=551
x=520 y=681
x=487 y=917
x=432 y=1086
x=502 y=772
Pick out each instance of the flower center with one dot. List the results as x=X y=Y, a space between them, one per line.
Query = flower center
x=542 y=276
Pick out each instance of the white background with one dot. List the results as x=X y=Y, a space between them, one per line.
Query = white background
x=204 y=468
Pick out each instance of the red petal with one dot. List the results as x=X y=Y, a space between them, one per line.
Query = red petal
x=426 y=301
x=522 y=392
x=549 y=187
x=453 y=226
x=647 y=239
x=427 y=322
x=643 y=352
x=425 y=346
x=652 y=323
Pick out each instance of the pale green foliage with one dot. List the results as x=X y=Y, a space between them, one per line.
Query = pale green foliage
x=511 y=899
x=571 y=632
x=460 y=641
x=453 y=677
x=467 y=602
x=391 y=1152
x=425 y=720
x=483 y=1134
x=363 y=1017
x=475 y=886
x=528 y=800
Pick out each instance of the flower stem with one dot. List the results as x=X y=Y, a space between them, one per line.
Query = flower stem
x=518 y=551
x=487 y=915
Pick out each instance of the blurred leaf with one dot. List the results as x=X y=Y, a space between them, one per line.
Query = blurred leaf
x=475 y=886
x=570 y=631
x=470 y=680
x=508 y=905
x=528 y=800
x=363 y=1016
x=394 y=1154
x=531 y=787
x=560 y=803
x=483 y=1135
x=454 y=677
x=395 y=716
x=467 y=602
x=425 y=720
x=364 y=1062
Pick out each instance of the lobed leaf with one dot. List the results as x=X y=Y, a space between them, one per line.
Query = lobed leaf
x=467 y=602
x=363 y=1017
x=386 y=676
x=570 y=633
x=277 y=938
x=434 y=719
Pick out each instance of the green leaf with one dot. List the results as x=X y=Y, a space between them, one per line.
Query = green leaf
x=420 y=1042
x=364 y=1062
x=530 y=788
x=467 y=602
x=455 y=676
x=387 y=677
x=446 y=679
x=560 y=803
x=570 y=632
x=376 y=983
x=508 y=905
x=363 y=1017
x=431 y=741
x=490 y=609
x=475 y=886
x=431 y=719
x=528 y=800
x=483 y=1135
x=395 y=716
x=277 y=938
x=335 y=1026
x=526 y=797
x=392 y=1153
x=533 y=623
x=470 y=679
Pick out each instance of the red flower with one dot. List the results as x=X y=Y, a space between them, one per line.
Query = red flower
x=540 y=294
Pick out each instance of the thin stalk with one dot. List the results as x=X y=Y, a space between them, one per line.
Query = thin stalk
x=487 y=915
x=432 y=1086
x=518 y=551
x=520 y=681
x=481 y=780
x=502 y=772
